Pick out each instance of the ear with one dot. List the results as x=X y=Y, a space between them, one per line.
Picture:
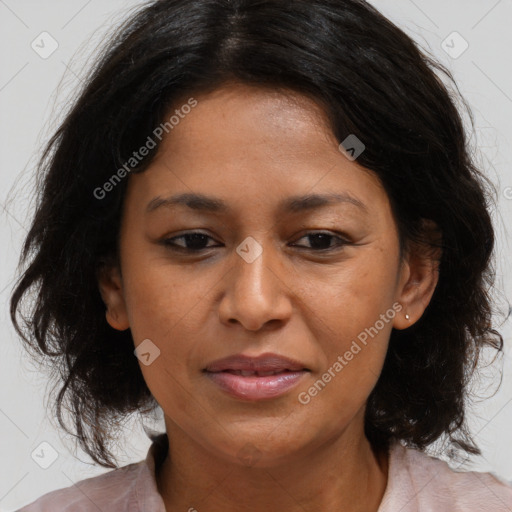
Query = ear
x=419 y=275
x=111 y=290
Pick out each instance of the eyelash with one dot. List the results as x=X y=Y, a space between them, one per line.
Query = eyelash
x=169 y=242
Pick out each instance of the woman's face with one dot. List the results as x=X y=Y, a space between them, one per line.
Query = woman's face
x=274 y=269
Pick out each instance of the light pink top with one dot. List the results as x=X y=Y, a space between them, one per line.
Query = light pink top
x=416 y=483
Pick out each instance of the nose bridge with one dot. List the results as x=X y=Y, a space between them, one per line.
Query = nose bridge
x=255 y=292
x=253 y=267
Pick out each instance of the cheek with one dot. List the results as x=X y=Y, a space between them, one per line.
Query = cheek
x=352 y=318
x=351 y=297
x=165 y=311
x=160 y=299
x=353 y=339
x=169 y=316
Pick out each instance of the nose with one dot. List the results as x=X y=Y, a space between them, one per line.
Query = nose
x=256 y=294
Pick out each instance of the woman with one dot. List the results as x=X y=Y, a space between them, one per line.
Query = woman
x=262 y=217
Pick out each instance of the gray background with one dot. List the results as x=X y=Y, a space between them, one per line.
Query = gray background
x=33 y=94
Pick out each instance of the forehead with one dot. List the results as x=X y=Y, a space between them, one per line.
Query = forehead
x=272 y=122
x=241 y=140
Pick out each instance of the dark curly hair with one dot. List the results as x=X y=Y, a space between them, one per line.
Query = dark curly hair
x=371 y=80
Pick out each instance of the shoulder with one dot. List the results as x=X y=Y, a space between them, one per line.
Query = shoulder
x=114 y=490
x=418 y=482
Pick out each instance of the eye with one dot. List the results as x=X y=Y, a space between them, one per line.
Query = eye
x=192 y=242
x=321 y=241
x=196 y=242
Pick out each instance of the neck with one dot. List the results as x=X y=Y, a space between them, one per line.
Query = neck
x=344 y=474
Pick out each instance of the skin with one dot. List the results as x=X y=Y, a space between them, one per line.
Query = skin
x=253 y=148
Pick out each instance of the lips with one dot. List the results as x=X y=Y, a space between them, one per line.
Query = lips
x=256 y=378
x=249 y=373
x=264 y=363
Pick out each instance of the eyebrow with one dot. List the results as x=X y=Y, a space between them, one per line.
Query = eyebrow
x=294 y=204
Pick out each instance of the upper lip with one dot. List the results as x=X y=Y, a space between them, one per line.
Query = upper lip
x=262 y=363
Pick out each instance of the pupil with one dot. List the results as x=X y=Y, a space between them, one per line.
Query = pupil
x=323 y=238
x=197 y=241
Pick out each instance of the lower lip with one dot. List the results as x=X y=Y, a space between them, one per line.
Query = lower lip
x=254 y=387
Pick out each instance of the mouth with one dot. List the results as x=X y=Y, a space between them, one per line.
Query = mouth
x=250 y=373
x=264 y=363
x=256 y=378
